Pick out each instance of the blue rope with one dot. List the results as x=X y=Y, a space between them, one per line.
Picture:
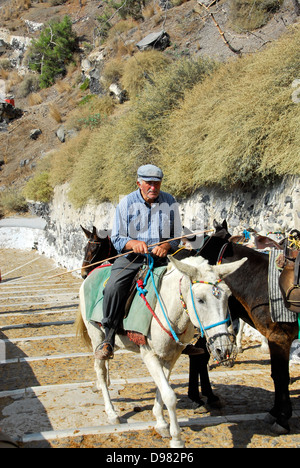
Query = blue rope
x=202 y=329
x=150 y=272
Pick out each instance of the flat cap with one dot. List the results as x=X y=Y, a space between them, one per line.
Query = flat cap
x=150 y=172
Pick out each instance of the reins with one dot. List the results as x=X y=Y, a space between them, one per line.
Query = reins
x=129 y=252
x=142 y=292
x=184 y=306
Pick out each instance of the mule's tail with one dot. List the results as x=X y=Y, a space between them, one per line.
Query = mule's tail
x=81 y=330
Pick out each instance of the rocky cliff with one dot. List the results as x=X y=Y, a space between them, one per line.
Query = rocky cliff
x=265 y=210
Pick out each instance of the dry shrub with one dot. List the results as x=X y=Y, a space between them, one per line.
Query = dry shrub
x=240 y=127
x=139 y=68
x=34 y=99
x=151 y=9
x=29 y=84
x=4 y=74
x=13 y=80
x=248 y=15
x=94 y=106
x=14 y=9
x=107 y=168
x=113 y=71
x=55 y=113
x=63 y=87
x=5 y=64
x=62 y=162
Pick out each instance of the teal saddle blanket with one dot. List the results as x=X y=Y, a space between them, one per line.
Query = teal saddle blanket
x=139 y=317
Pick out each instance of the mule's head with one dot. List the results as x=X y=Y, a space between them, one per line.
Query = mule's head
x=96 y=249
x=221 y=229
x=206 y=298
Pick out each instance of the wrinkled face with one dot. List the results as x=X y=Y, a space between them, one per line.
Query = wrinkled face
x=149 y=190
x=208 y=310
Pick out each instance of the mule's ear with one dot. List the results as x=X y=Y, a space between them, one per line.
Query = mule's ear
x=185 y=269
x=224 y=224
x=95 y=235
x=86 y=232
x=228 y=268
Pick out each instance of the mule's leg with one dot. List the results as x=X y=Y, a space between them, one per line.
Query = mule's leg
x=166 y=395
x=282 y=409
x=102 y=384
x=102 y=372
x=213 y=400
x=162 y=426
x=280 y=343
x=239 y=336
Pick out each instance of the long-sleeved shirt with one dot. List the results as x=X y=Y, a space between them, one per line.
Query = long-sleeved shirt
x=138 y=220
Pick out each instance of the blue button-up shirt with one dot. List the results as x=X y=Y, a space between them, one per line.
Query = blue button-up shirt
x=138 y=220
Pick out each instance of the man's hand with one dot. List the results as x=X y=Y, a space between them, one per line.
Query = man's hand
x=161 y=250
x=138 y=247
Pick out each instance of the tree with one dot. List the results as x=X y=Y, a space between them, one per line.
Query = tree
x=54 y=49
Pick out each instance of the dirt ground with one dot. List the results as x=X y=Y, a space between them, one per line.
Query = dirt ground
x=47 y=378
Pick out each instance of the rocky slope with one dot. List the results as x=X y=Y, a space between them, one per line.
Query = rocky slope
x=193 y=31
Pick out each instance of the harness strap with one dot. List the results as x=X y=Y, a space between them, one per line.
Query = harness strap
x=202 y=329
x=141 y=291
x=221 y=254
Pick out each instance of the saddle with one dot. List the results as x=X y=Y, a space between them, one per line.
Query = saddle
x=289 y=280
x=141 y=274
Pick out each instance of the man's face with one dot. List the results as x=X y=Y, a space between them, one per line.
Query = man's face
x=149 y=190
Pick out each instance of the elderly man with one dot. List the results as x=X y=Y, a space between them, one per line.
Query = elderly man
x=144 y=217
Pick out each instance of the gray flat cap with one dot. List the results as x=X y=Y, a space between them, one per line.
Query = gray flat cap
x=150 y=172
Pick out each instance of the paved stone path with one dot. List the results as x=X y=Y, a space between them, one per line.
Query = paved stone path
x=47 y=377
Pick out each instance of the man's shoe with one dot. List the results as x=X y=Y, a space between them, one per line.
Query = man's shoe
x=104 y=351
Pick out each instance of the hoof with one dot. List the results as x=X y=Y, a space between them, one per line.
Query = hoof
x=214 y=402
x=114 y=420
x=279 y=430
x=198 y=406
x=269 y=419
x=177 y=444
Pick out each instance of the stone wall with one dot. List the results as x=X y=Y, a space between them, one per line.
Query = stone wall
x=265 y=210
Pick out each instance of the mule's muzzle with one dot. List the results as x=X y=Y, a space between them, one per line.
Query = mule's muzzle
x=222 y=347
x=84 y=272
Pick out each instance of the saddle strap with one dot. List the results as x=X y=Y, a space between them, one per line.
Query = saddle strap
x=297 y=271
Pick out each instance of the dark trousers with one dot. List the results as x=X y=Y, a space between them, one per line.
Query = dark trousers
x=117 y=290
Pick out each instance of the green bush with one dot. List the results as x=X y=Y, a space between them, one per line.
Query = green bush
x=54 y=49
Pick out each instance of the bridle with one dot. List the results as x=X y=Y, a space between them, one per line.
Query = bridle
x=98 y=243
x=215 y=291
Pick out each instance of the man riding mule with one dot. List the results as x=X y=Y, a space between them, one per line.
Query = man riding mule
x=142 y=218
x=193 y=294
